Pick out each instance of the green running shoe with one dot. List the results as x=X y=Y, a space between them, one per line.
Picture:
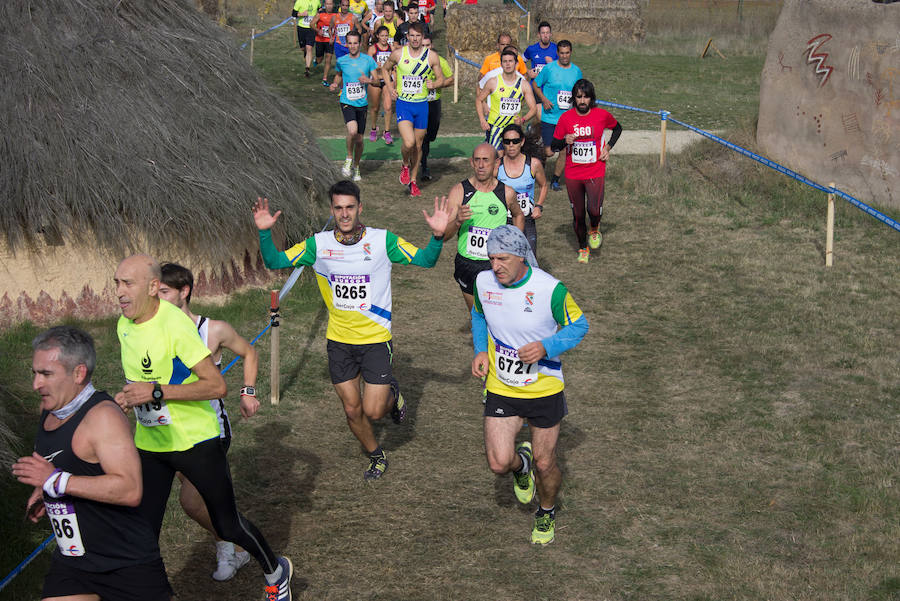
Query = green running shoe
x=524 y=483
x=544 y=528
x=377 y=466
x=398 y=410
x=595 y=238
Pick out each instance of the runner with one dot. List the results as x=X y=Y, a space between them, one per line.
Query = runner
x=176 y=287
x=342 y=23
x=426 y=10
x=412 y=16
x=305 y=11
x=375 y=13
x=522 y=321
x=478 y=205
x=360 y=70
x=171 y=378
x=580 y=132
x=542 y=52
x=380 y=50
x=324 y=38
x=520 y=169
x=415 y=66
x=553 y=89
x=361 y=11
x=353 y=269
x=390 y=20
x=492 y=61
x=506 y=92
x=434 y=110
x=86 y=476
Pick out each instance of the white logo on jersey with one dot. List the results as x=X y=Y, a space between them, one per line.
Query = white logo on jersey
x=583 y=131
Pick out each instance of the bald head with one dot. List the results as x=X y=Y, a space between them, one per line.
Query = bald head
x=483 y=159
x=137 y=284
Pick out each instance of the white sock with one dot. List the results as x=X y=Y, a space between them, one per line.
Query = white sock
x=223 y=546
x=274 y=576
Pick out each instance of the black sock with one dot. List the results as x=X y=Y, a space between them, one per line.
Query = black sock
x=378 y=452
x=554 y=179
x=541 y=511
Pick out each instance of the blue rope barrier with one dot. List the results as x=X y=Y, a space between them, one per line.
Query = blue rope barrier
x=461 y=57
x=262 y=33
x=25 y=562
x=524 y=10
x=629 y=108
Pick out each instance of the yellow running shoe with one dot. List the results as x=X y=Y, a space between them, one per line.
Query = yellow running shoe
x=583 y=255
x=544 y=527
x=595 y=238
x=524 y=483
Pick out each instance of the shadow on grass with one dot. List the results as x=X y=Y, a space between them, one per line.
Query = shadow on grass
x=300 y=364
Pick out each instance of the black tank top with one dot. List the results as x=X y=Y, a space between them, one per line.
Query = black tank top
x=99 y=537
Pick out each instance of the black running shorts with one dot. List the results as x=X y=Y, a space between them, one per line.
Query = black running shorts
x=306 y=36
x=543 y=412
x=466 y=270
x=355 y=113
x=144 y=582
x=346 y=361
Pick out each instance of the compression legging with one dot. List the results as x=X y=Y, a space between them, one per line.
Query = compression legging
x=206 y=466
x=585 y=193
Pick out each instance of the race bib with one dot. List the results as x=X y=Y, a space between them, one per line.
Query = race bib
x=305 y=21
x=354 y=90
x=65 y=528
x=510 y=106
x=539 y=67
x=154 y=413
x=351 y=292
x=342 y=29
x=511 y=370
x=432 y=95
x=411 y=84
x=381 y=57
x=584 y=151
x=524 y=202
x=326 y=31
x=564 y=100
x=476 y=241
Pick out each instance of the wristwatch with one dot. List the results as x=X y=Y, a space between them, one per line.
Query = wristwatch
x=248 y=391
x=157 y=392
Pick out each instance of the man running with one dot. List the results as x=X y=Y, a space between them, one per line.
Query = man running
x=380 y=50
x=415 y=65
x=506 y=92
x=342 y=23
x=391 y=20
x=521 y=170
x=580 y=131
x=305 y=11
x=553 y=89
x=492 y=61
x=522 y=321
x=542 y=52
x=171 y=378
x=412 y=16
x=353 y=268
x=434 y=109
x=324 y=35
x=86 y=476
x=176 y=287
x=478 y=205
x=356 y=71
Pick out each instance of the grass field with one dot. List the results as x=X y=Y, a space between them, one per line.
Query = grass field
x=733 y=409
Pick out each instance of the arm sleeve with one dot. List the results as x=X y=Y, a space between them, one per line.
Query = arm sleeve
x=613 y=138
x=479 y=326
x=299 y=254
x=402 y=252
x=569 y=316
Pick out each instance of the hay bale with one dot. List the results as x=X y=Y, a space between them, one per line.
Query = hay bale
x=475 y=28
x=137 y=126
x=592 y=21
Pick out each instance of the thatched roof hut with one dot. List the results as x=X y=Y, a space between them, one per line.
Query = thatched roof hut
x=591 y=21
x=137 y=125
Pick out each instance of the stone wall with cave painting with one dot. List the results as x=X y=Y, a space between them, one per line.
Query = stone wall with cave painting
x=830 y=96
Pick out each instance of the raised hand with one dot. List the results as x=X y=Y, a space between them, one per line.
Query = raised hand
x=262 y=216
x=438 y=220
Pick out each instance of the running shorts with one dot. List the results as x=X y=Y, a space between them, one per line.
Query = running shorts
x=346 y=361
x=417 y=112
x=543 y=412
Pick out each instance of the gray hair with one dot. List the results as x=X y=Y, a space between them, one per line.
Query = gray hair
x=76 y=347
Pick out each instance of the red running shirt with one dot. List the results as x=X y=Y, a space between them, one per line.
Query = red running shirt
x=583 y=156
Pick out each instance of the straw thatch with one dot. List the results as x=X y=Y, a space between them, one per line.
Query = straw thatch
x=475 y=28
x=137 y=125
x=591 y=21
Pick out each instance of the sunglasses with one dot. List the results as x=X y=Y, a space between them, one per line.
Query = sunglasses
x=512 y=140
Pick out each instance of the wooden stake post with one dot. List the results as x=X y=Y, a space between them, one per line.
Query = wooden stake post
x=829 y=229
x=455 y=79
x=252 y=34
x=663 y=119
x=528 y=28
x=275 y=358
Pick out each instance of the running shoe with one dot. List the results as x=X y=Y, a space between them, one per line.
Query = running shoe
x=414 y=189
x=281 y=590
x=583 y=255
x=225 y=566
x=426 y=174
x=324 y=84
x=524 y=483
x=356 y=176
x=373 y=134
x=306 y=73
x=595 y=238
x=554 y=186
x=404 y=175
x=347 y=169
x=544 y=527
x=398 y=410
x=377 y=466
x=387 y=138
